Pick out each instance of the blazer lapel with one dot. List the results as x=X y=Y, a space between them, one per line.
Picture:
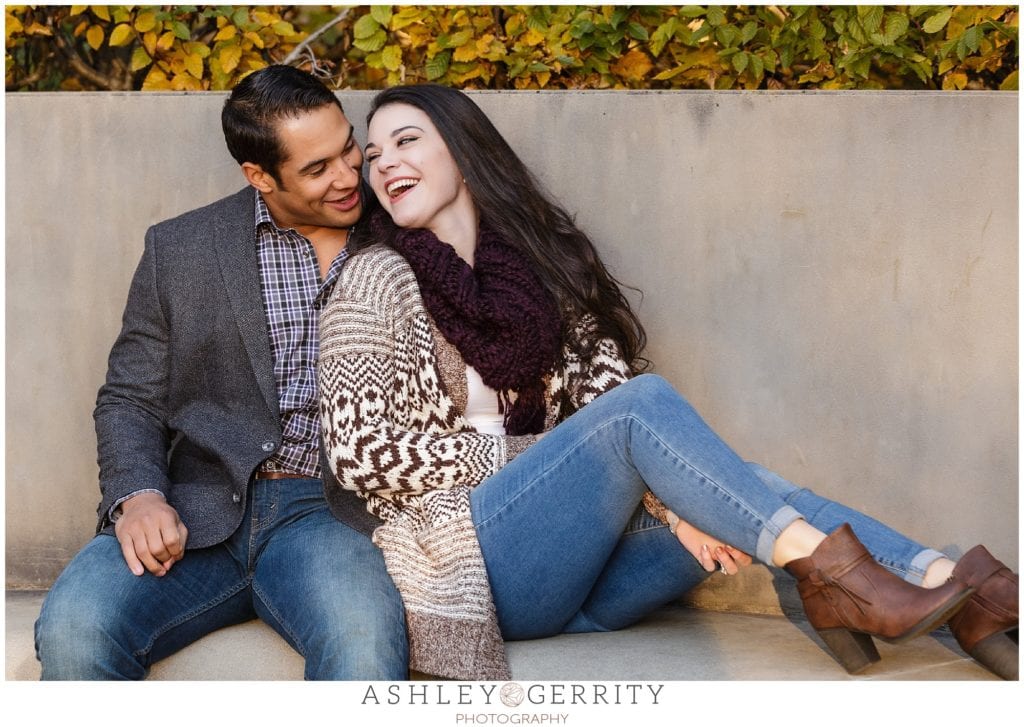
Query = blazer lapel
x=235 y=245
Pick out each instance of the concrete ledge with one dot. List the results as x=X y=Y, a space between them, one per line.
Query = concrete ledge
x=672 y=644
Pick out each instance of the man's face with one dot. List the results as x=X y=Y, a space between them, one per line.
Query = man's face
x=318 y=184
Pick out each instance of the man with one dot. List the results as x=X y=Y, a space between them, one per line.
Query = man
x=213 y=486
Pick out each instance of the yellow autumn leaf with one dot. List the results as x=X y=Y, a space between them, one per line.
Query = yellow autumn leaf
x=38 y=29
x=633 y=66
x=80 y=28
x=185 y=82
x=532 y=37
x=12 y=25
x=149 y=42
x=226 y=33
x=166 y=41
x=194 y=65
x=230 y=57
x=957 y=81
x=121 y=35
x=94 y=36
x=145 y=22
x=264 y=18
x=463 y=53
x=101 y=11
x=156 y=80
x=256 y=39
x=77 y=10
x=391 y=57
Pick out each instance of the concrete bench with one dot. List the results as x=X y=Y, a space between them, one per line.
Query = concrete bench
x=675 y=643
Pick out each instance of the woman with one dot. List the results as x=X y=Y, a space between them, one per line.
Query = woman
x=477 y=374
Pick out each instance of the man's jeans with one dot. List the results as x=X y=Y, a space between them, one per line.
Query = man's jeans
x=567 y=550
x=317 y=582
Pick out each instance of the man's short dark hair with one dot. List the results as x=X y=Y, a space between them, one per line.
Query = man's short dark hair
x=258 y=102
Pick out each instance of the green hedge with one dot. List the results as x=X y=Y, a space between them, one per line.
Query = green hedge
x=187 y=47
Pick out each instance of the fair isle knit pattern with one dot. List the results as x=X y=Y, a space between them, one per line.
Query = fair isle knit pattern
x=395 y=435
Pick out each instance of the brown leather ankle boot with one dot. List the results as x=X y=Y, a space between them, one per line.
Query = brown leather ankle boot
x=848 y=598
x=986 y=628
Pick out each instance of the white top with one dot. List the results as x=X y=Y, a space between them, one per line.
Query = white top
x=482 y=405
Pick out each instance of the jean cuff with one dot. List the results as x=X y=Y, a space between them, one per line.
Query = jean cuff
x=782 y=519
x=920 y=563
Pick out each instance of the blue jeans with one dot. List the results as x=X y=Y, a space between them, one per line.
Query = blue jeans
x=567 y=549
x=317 y=582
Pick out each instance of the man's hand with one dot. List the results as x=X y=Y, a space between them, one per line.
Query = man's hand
x=151 y=535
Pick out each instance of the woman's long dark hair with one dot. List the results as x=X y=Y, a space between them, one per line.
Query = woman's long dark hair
x=512 y=203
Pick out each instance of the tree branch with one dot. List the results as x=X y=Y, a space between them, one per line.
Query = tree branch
x=35 y=76
x=304 y=45
x=84 y=69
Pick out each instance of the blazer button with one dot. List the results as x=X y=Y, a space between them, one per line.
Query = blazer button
x=269 y=446
x=235 y=497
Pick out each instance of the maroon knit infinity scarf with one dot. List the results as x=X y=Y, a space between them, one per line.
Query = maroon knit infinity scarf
x=497 y=314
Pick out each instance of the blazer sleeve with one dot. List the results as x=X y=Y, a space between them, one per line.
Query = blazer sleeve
x=390 y=430
x=132 y=437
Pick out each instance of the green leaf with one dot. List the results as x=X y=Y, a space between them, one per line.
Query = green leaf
x=662 y=35
x=938 y=21
x=637 y=31
x=382 y=14
x=365 y=27
x=437 y=66
x=739 y=62
x=692 y=11
x=748 y=32
x=973 y=38
x=140 y=59
x=716 y=15
x=896 y=24
x=817 y=29
x=870 y=17
x=756 y=67
x=727 y=35
x=181 y=30
x=374 y=43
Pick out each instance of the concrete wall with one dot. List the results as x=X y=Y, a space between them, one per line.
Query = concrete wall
x=831 y=278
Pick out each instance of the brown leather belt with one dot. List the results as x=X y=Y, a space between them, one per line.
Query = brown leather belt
x=264 y=475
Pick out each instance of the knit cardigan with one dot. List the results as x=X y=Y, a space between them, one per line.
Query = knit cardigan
x=393 y=396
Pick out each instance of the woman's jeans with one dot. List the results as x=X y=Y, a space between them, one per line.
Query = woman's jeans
x=317 y=582
x=568 y=549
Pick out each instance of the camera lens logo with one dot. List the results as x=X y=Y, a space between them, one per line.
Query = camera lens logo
x=511 y=694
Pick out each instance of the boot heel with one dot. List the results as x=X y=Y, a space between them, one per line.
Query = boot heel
x=999 y=654
x=854 y=651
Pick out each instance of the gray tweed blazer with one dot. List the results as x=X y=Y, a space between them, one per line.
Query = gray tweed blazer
x=190 y=406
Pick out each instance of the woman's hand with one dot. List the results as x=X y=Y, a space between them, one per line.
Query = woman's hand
x=710 y=552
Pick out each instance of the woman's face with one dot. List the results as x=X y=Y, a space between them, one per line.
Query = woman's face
x=412 y=172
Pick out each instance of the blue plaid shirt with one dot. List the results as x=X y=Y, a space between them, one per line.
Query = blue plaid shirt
x=293 y=297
